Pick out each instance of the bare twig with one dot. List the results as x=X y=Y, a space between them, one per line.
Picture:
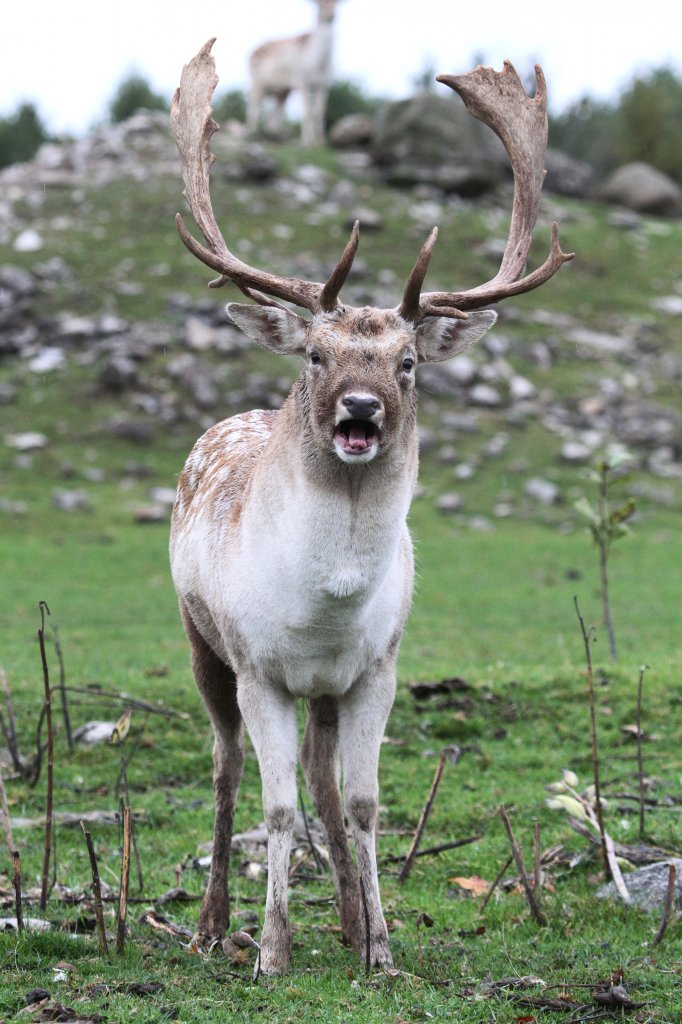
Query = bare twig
x=16 y=860
x=537 y=867
x=9 y=730
x=587 y=636
x=430 y=851
x=125 y=877
x=495 y=884
x=128 y=701
x=668 y=906
x=451 y=754
x=313 y=849
x=50 y=758
x=640 y=764
x=62 y=687
x=6 y=823
x=518 y=857
x=97 y=892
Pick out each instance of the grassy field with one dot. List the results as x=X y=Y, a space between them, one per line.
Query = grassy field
x=494 y=607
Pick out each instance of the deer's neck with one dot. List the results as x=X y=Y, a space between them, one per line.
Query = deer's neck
x=328 y=521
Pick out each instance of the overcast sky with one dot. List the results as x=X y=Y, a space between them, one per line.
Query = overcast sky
x=68 y=56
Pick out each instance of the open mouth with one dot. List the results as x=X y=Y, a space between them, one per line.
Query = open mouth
x=356 y=437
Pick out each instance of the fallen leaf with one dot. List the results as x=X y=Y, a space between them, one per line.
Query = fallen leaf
x=475 y=885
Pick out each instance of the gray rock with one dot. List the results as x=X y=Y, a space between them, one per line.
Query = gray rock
x=431 y=139
x=70 y=501
x=541 y=490
x=449 y=503
x=48 y=359
x=28 y=240
x=669 y=304
x=641 y=187
x=352 y=130
x=575 y=451
x=27 y=442
x=567 y=176
x=17 y=280
x=648 y=886
x=486 y=396
x=118 y=373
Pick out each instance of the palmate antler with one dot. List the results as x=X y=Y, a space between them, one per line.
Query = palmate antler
x=496 y=98
x=193 y=128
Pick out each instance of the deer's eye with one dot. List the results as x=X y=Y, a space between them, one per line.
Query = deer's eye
x=315 y=357
x=408 y=364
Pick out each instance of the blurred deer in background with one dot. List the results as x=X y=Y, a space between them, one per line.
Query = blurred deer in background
x=297 y=64
x=290 y=551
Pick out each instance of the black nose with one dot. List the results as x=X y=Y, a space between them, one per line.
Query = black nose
x=361 y=407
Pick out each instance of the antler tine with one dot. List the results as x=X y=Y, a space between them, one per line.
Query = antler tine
x=498 y=99
x=193 y=128
x=337 y=278
x=410 y=308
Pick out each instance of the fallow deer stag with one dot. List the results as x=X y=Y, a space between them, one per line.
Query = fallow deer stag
x=289 y=547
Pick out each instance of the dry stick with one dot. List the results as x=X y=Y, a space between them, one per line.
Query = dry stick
x=50 y=758
x=62 y=687
x=6 y=823
x=518 y=857
x=451 y=754
x=97 y=892
x=16 y=859
x=10 y=731
x=433 y=850
x=667 y=910
x=123 y=777
x=593 y=722
x=537 y=869
x=125 y=876
x=495 y=884
x=640 y=765
x=313 y=849
x=130 y=702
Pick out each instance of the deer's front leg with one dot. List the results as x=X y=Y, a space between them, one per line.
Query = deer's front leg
x=270 y=717
x=362 y=719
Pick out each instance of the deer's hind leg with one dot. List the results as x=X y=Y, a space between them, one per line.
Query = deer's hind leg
x=320 y=761
x=217 y=685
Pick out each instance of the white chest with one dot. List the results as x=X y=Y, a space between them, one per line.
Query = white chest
x=315 y=589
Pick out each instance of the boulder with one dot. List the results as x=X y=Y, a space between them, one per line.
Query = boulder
x=351 y=131
x=567 y=176
x=431 y=139
x=640 y=187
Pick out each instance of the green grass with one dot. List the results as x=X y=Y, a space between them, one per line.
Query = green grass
x=495 y=608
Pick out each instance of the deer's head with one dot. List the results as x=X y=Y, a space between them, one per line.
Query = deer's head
x=358 y=381
x=360 y=363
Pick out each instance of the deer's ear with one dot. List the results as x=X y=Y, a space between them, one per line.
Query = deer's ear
x=441 y=337
x=278 y=330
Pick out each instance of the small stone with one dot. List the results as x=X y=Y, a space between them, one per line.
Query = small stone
x=70 y=501
x=47 y=360
x=28 y=240
x=575 y=451
x=521 y=389
x=449 y=503
x=163 y=496
x=27 y=442
x=486 y=396
x=543 y=491
x=151 y=514
x=670 y=304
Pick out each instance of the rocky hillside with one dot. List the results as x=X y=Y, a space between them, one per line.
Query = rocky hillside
x=107 y=332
